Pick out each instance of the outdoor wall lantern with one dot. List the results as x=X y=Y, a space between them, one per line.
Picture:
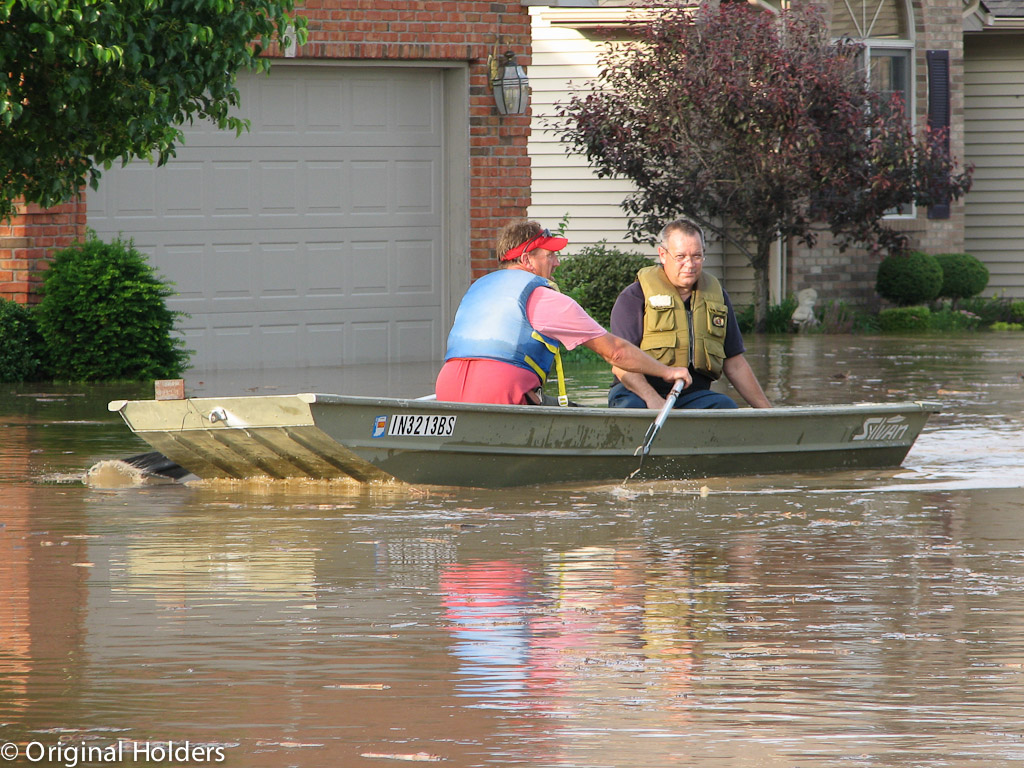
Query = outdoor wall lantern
x=509 y=82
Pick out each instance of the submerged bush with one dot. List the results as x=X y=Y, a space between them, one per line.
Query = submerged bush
x=905 y=319
x=104 y=316
x=779 y=318
x=22 y=352
x=909 y=278
x=948 y=319
x=1017 y=311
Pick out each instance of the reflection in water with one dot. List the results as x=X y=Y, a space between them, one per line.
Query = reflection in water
x=486 y=606
x=854 y=619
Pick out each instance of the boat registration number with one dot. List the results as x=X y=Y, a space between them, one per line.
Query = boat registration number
x=415 y=425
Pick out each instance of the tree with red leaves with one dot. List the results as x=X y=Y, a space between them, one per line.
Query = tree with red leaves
x=757 y=126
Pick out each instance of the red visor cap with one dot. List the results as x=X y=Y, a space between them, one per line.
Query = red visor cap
x=544 y=240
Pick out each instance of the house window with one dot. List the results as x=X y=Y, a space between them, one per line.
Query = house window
x=889 y=71
x=883 y=27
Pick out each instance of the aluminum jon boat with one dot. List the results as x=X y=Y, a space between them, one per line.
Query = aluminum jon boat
x=422 y=441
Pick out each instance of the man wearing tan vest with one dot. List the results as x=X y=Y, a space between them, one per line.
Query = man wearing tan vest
x=682 y=317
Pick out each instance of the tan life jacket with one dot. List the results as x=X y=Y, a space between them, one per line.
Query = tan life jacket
x=680 y=337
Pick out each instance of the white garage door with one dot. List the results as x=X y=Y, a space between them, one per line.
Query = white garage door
x=314 y=239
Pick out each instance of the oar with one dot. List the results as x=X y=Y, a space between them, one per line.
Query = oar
x=653 y=430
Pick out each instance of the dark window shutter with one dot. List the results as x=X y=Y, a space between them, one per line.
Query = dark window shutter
x=938 y=110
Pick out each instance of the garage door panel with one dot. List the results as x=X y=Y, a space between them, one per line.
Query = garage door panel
x=280 y=183
x=327 y=190
x=315 y=239
x=368 y=107
x=416 y=272
x=136 y=195
x=366 y=339
x=202 y=194
x=182 y=265
x=370 y=267
x=333 y=339
x=279 y=279
x=327 y=109
x=416 y=110
x=415 y=182
x=369 y=183
x=182 y=193
x=412 y=337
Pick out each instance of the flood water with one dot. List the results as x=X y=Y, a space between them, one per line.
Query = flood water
x=863 y=619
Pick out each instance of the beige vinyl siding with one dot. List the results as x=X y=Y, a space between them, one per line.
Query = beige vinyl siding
x=565 y=59
x=994 y=143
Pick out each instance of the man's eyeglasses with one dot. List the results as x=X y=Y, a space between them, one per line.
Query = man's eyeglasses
x=682 y=258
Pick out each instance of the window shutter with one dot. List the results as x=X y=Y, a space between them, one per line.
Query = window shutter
x=938 y=110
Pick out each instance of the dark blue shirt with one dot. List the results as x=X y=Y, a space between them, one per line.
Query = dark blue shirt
x=628 y=323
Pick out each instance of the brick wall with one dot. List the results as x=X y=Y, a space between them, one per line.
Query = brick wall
x=28 y=240
x=368 y=30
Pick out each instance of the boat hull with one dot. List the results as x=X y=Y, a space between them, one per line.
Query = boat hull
x=439 y=443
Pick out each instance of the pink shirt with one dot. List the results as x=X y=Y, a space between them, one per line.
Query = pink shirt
x=557 y=315
x=490 y=381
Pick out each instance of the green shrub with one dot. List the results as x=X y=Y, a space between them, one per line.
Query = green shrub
x=909 y=278
x=575 y=356
x=1001 y=326
x=904 y=319
x=596 y=275
x=104 y=316
x=949 y=319
x=865 y=323
x=1017 y=312
x=22 y=352
x=838 y=317
x=778 y=320
x=991 y=310
x=963 y=275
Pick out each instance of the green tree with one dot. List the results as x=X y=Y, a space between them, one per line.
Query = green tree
x=757 y=126
x=86 y=82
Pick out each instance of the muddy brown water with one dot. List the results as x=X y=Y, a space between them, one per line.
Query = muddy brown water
x=839 y=619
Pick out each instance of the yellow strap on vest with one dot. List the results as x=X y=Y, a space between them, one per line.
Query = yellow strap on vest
x=563 y=398
x=536 y=368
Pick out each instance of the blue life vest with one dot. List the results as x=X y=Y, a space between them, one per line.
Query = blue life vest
x=491 y=323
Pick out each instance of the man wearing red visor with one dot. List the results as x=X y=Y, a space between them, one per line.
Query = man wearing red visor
x=510 y=323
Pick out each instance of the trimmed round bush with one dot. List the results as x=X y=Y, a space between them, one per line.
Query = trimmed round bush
x=909 y=278
x=22 y=352
x=596 y=275
x=905 y=319
x=104 y=316
x=963 y=275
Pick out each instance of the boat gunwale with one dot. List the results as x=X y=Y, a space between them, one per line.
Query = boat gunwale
x=929 y=406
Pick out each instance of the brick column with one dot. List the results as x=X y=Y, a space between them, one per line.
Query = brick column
x=27 y=242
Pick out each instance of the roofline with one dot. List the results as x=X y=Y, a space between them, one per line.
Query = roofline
x=979 y=19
